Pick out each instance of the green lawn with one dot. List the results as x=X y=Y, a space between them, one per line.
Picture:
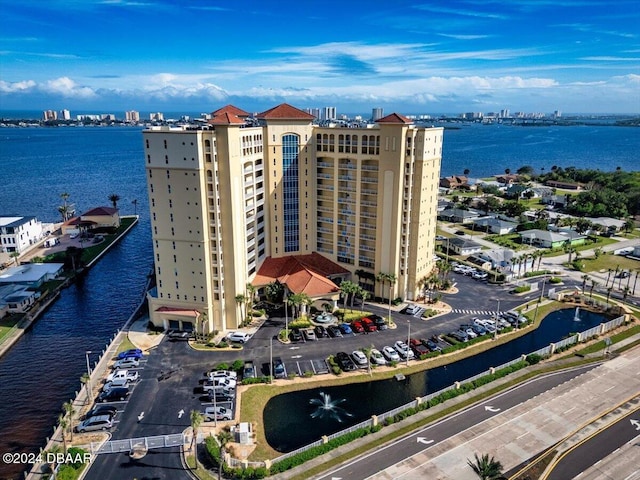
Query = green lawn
x=607 y=261
x=510 y=240
x=7 y=323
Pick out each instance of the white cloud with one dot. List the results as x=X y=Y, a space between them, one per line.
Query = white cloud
x=16 y=87
x=67 y=88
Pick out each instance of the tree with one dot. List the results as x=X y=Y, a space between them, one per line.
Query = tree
x=274 y=292
x=348 y=289
x=364 y=295
x=113 y=198
x=84 y=379
x=251 y=297
x=525 y=170
x=609 y=293
x=629 y=225
x=201 y=320
x=486 y=468
x=585 y=278
x=489 y=204
x=15 y=256
x=64 y=424
x=240 y=301
x=69 y=411
x=466 y=172
x=391 y=278
x=196 y=420
x=64 y=208
x=593 y=285
x=381 y=278
x=582 y=225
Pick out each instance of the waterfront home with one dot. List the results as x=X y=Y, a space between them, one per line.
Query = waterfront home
x=455 y=181
x=546 y=239
x=32 y=274
x=16 y=299
x=18 y=233
x=98 y=218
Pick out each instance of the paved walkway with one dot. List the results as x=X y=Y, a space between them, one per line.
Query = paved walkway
x=141 y=337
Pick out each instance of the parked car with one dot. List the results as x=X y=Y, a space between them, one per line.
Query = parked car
x=360 y=359
x=411 y=309
x=417 y=347
x=222 y=374
x=295 y=335
x=459 y=232
x=114 y=394
x=440 y=238
x=379 y=322
x=357 y=327
x=345 y=362
x=221 y=395
x=101 y=410
x=98 y=422
x=131 y=353
x=403 y=350
x=278 y=368
x=460 y=335
x=390 y=354
x=130 y=375
x=334 y=331
x=345 y=328
x=480 y=275
x=217 y=413
x=321 y=332
x=469 y=331
x=309 y=335
x=376 y=357
x=431 y=345
x=118 y=382
x=219 y=383
x=249 y=370
x=126 y=363
x=238 y=337
x=368 y=325
x=478 y=329
x=179 y=335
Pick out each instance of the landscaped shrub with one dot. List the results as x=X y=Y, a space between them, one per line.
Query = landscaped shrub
x=537 y=273
x=237 y=365
x=533 y=358
x=555 y=280
x=522 y=289
x=249 y=381
x=302 y=322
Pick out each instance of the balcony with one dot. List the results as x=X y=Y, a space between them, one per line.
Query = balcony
x=368 y=179
x=369 y=168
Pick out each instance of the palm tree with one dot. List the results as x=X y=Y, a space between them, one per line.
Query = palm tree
x=240 y=301
x=593 y=284
x=113 y=198
x=64 y=208
x=15 y=256
x=348 y=288
x=392 y=279
x=608 y=276
x=609 y=294
x=84 y=379
x=585 y=278
x=486 y=468
x=381 y=277
x=223 y=437
x=64 y=424
x=201 y=320
x=196 y=420
x=69 y=411
x=364 y=295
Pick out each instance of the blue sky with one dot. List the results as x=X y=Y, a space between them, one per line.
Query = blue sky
x=412 y=57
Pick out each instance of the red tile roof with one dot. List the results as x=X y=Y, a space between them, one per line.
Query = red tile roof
x=226 y=118
x=284 y=111
x=230 y=109
x=395 y=118
x=301 y=273
x=99 y=211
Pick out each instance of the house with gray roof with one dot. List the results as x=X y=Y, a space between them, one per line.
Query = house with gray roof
x=462 y=246
x=458 y=215
x=495 y=225
x=31 y=274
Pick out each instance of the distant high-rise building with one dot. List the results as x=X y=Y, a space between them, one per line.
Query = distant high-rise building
x=110 y=117
x=157 y=116
x=132 y=116
x=313 y=111
x=48 y=115
x=276 y=198
x=504 y=113
x=557 y=114
x=65 y=114
x=377 y=113
x=328 y=113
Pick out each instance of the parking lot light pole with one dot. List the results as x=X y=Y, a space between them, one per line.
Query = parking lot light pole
x=408 y=340
x=86 y=355
x=286 y=316
x=495 y=332
x=271 y=359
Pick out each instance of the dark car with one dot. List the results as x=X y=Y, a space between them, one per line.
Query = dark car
x=221 y=395
x=334 y=331
x=321 y=332
x=114 y=394
x=101 y=410
x=131 y=353
x=417 y=347
x=278 y=368
x=345 y=362
x=249 y=370
x=178 y=335
x=431 y=345
x=368 y=325
x=357 y=327
x=379 y=322
x=459 y=232
x=295 y=335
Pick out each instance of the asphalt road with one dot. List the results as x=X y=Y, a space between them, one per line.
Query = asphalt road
x=605 y=442
x=172 y=374
x=419 y=440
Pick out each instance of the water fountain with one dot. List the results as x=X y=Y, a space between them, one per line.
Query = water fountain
x=328 y=408
x=576 y=315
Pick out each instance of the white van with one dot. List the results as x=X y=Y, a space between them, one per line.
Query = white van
x=51 y=242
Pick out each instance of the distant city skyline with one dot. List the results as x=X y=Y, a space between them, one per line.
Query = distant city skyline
x=580 y=56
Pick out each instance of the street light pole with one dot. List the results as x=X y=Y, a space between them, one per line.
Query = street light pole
x=271 y=359
x=495 y=331
x=286 y=316
x=86 y=355
x=408 y=341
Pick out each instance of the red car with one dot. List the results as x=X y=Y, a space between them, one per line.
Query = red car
x=417 y=347
x=368 y=325
x=357 y=327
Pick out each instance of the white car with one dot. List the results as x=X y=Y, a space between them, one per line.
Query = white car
x=218 y=384
x=222 y=374
x=403 y=350
x=359 y=358
x=390 y=354
x=118 y=382
x=217 y=413
x=239 y=337
x=130 y=375
x=412 y=309
x=377 y=358
x=126 y=363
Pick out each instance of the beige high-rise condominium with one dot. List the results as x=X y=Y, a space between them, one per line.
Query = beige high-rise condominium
x=274 y=198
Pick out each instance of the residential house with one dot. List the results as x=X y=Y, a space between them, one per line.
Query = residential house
x=508 y=179
x=95 y=219
x=495 y=225
x=547 y=239
x=516 y=190
x=16 y=299
x=564 y=185
x=462 y=246
x=500 y=259
x=458 y=215
x=31 y=274
x=556 y=201
x=455 y=181
x=608 y=224
x=19 y=233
